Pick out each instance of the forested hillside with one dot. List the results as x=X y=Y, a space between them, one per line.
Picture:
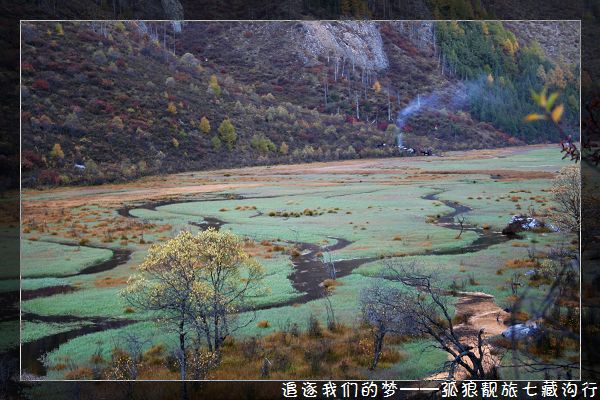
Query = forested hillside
x=114 y=101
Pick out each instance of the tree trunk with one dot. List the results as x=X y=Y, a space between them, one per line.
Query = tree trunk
x=183 y=360
x=378 y=345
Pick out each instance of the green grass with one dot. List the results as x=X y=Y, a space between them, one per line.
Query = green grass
x=31 y=331
x=81 y=303
x=422 y=360
x=43 y=259
x=276 y=281
x=38 y=283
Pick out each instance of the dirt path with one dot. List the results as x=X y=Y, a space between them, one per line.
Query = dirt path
x=480 y=311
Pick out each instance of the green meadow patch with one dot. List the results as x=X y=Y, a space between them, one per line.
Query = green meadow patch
x=44 y=259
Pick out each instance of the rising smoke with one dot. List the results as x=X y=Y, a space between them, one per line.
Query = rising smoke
x=452 y=97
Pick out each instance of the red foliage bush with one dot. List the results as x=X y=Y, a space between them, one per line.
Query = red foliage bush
x=107 y=83
x=351 y=120
x=121 y=63
x=100 y=106
x=181 y=77
x=248 y=34
x=55 y=66
x=49 y=177
x=27 y=67
x=138 y=123
x=88 y=35
x=41 y=84
x=278 y=88
x=30 y=159
x=382 y=126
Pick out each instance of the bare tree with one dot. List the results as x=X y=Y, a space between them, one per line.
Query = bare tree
x=328 y=263
x=460 y=220
x=384 y=308
x=551 y=328
x=427 y=303
x=331 y=321
x=515 y=283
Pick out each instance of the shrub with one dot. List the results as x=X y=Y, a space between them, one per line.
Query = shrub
x=41 y=84
x=172 y=108
x=204 y=125
x=227 y=133
x=251 y=348
x=262 y=144
x=284 y=148
x=263 y=324
x=117 y=123
x=216 y=143
x=189 y=60
x=314 y=327
x=79 y=373
x=99 y=57
x=213 y=86
x=49 y=177
x=57 y=151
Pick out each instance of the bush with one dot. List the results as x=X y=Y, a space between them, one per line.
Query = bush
x=314 y=327
x=204 y=125
x=48 y=177
x=262 y=144
x=213 y=86
x=227 y=133
x=189 y=60
x=41 y=84
x=216 y=143
x=263 y=324
x=99 y=57
x=57 y=152
x=284 y=148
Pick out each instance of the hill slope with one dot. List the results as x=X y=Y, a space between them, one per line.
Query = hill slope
x=114 y=101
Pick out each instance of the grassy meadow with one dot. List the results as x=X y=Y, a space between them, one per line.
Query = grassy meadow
x=376 y=205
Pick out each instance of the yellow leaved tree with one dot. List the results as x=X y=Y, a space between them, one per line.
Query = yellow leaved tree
x=204 y=125
x=196 y=285
x=553 y=113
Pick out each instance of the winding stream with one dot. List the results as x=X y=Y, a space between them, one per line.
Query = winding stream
x=307 y=277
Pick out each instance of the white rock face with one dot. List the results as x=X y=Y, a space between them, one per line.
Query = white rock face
x=358 y=40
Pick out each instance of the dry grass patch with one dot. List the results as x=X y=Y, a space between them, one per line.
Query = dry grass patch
x=263 y=324
x=331 y=283
x=109 y=281
x=521 y=263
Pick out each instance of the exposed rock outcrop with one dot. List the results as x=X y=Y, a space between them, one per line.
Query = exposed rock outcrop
x=356 y=40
